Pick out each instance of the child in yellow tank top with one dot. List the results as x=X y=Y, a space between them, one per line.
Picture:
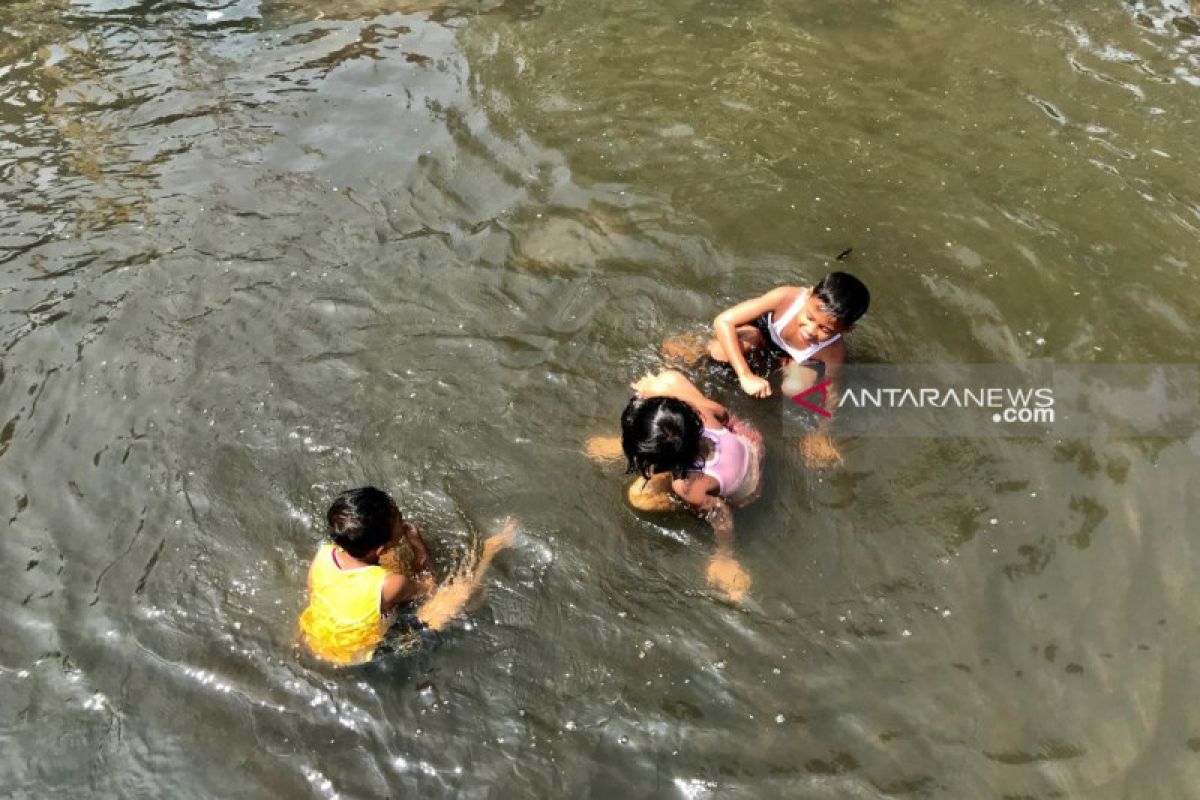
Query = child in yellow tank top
x=356 y=582
x=351 y=596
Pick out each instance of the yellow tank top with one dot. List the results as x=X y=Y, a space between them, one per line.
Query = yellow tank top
x=342 y=623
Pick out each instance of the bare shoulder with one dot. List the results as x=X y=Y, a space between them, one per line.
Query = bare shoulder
x=745 y=312
x=783 y=297
x=392 y=591
x=720 y=414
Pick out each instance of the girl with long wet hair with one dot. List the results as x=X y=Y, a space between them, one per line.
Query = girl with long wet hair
x=690 y=451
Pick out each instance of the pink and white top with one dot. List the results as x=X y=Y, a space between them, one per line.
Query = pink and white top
x=733 y=463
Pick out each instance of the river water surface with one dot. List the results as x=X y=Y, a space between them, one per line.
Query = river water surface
x=257 y=251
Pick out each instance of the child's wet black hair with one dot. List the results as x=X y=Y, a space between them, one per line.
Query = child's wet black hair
x=361 y=520
x=661 y=434
x=844 y=296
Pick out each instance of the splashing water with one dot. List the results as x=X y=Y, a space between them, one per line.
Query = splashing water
x=452 y=595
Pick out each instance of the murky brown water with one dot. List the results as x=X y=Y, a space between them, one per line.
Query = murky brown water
x=257 y=252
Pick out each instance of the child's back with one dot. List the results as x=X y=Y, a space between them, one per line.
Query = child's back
x=343 y=622
x=351 y=596
x=683 y=445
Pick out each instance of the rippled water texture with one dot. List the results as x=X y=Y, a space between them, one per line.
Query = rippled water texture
x=254 y=252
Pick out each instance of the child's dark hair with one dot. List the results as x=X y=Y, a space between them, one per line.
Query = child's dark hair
x=660 y=434
x=844 y=296
x=361 y=520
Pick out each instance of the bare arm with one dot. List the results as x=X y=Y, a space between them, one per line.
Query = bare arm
x=818 y=447
x=671 y=383
x=724 y=572
x=744 y=313
x=416 y=543
x=833 y=374
x=399 y=588
x=721 y=519
x=799 y=378
x=700 y=494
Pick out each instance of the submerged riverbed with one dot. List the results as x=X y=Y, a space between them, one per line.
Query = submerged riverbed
x=257 y=251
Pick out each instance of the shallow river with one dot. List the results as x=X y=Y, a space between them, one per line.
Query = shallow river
x=257 y=251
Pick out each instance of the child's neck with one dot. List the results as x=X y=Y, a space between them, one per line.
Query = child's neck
x=347 y=561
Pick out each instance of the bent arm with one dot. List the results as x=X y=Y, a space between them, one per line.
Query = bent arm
x=726 y=324
x=416 y=543
x=720 y=516
x=832 y=376
x=398 y=588
x=672 y=383
x=700 y=494
x=799 y=378
x=817 y=446
x=724 y=571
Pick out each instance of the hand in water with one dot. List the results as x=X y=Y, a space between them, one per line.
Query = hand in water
x=820 y=451
x=727 y=575
x=755 y=386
